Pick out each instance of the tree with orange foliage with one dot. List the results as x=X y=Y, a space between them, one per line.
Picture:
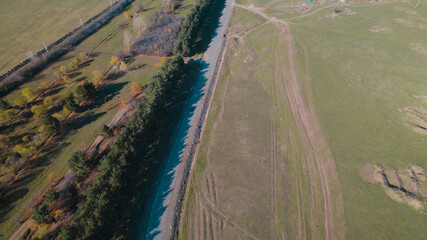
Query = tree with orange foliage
x=136 y=88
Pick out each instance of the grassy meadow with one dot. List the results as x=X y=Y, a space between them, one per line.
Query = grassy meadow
x=25 y=24
x=359 y=66
x=363 y=71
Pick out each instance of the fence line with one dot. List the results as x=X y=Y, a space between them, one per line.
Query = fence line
x=57 y=42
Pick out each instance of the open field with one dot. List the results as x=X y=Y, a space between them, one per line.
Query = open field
x=258 y=174
x=86 y=126
x=23 y=28
x=304 y=115
x=363 y=72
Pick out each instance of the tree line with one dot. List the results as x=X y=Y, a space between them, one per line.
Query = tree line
x=95 y=214
x=192 y=27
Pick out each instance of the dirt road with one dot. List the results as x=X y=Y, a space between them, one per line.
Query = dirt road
x=322 y=162
x=306 y=118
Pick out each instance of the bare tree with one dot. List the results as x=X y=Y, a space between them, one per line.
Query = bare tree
x=168 y=6
x=139 y=24
x=128 y=40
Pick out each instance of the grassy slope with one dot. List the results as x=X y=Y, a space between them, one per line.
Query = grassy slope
x=86 y=127
x=359 y=80
x=23 y=28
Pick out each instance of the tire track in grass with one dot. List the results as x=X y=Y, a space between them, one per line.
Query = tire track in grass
x=309 y=124
x=299 y=138
x=316 y=211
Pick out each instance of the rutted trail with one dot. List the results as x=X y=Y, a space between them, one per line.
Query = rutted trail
x=320 y=162
x=308 y=124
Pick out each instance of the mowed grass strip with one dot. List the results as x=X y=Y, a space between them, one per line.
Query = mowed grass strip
x=360 y=78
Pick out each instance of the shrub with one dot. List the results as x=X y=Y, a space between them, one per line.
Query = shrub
x=8 y=115
x=51 y=124
x=127 y=15
x=70 y=104
x=106 y=132
x=26 y=138
x=135 y=88
x=41 y=214
x=20 y=102
x=51 y=196
x=114 y=60
x=79 y=164
x=39 y=109
x=28 y=93
x=97 y=75
x=85 y=91
x=4 y=105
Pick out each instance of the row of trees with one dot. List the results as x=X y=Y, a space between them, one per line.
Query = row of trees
x=191 y=27
x=95 y=216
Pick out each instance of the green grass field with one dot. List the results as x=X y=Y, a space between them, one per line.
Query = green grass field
x=250 y=164
x=25 y=24
x=256 y=175
x=360 y=79
x=83 y=129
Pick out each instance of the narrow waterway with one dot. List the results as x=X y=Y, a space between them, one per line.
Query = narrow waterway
x=154 y=227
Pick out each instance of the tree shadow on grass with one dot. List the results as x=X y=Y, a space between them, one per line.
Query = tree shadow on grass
x=64 y=58
x=7 y=202
x=81 y=79
x=54 y=91
x=75 y=74
x=50 y=151
x=84 y=120
x=19 y=190
x=88 y=62
x=180 y=8
x=107 y=93
x=138 y=66
x=115 y=75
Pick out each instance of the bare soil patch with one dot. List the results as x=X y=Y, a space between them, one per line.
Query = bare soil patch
x=348 y=11
x=403 y=185
x=332 y=15
x=410 y=11
x=403 y=21
x=418 y=48
x=415 y=118
x=365 y=172
x=378 y=29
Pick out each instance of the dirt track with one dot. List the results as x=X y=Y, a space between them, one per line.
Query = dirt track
x=308 y=124
x=323 y=166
